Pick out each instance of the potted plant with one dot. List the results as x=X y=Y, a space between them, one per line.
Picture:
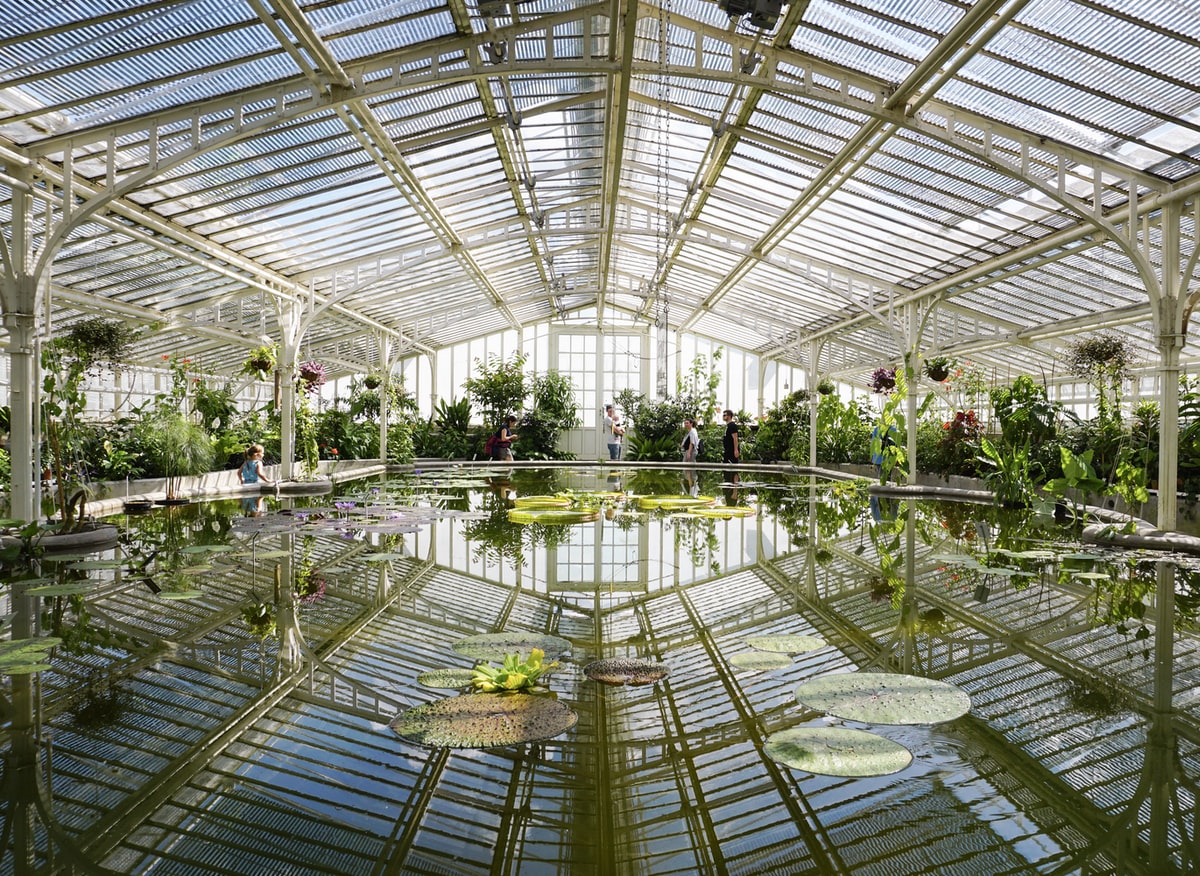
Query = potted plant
x=937 y=368
x=372 y=381
x=260 y=363
x=310 y=376
x=825 y=386
x=883 y=380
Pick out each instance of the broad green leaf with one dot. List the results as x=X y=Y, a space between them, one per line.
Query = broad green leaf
x=837 y=751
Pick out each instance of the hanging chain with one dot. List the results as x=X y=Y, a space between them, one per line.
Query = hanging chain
x=662 y=196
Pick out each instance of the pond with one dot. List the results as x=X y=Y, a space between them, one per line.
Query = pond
x=222 y=687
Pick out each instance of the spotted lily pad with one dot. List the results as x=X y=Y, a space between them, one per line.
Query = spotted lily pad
x=759 y=661
x=446 y=678
x=484 y=720
x=837 y=751
x=884 y=698
x=619 y=670
x=496 y=646
x=786 y=644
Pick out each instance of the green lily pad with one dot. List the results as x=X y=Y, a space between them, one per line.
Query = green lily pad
x=26 y=656
x=497 y=646
x=884 y=698
x=484 y=720
x=270 y=555
x=446 y=678
x=207 y=549
x=759 y=661
x=674 y=503
x=617 y=670
x=542 y=502
x=786 y=644
x=180 y=594
x=383 y=557
x=552 y=516
x=723 y=512
x=837 y=751
x=1092 y=576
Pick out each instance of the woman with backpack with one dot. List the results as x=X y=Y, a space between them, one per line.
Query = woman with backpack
x=502 y=441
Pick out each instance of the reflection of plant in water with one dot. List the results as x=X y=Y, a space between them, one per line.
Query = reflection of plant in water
x=1098 y=695
x=1119 y=600
x=841 y=506
x=260 y=618
x=495 y=538
x=698 y=536
x=101 y=701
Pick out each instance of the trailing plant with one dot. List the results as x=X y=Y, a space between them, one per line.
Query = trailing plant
x=1105 y=361
x=825 y=386
x=883 y=380
x=307 y=444
x=696 y=390
x=887 y=449
x=310 y=376
x=400 y=447
x=513 y=674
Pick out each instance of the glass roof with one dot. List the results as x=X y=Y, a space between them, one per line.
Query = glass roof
x=442 y=171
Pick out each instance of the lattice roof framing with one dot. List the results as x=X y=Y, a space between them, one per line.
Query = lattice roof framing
x=429 y=172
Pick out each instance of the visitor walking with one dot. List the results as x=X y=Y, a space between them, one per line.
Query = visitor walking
x=505 y=436
x=732 y=450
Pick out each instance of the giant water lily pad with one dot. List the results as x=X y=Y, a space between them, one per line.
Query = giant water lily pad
x=497 y=646
x=837 y=751
x=484 y=720
x=673 y=503
x=553 y=516
x=446 y=678
x=619 y=670
x=723 y=512
x=759 y=661
x=542 y=502
x=26 y=656
x=66 y=588
x=786 y=644
x=884 y=698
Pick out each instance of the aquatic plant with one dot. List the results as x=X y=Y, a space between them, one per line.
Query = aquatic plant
x=884 y=698
x=513 y=674
x=618 y=670
x=837 y=751
x=484 y=721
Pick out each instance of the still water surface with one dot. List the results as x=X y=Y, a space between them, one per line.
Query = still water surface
x=220 y=699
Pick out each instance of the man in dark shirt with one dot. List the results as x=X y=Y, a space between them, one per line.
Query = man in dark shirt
x=732 y=445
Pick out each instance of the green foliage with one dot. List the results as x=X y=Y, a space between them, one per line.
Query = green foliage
x=662 y=449
x=784 y=426
x=260 y=362
x=1025 y=412
x=554 y=411
x=1104 y=361
x=938 y=368
x=216 y=408
x=892 y=454
x=340 y=436
x=449 y=431
x=401 y=450
x=307 y=444
x=652 y=421
x=176 y=446
x=498 y=388
x=950 y=447
x=843 y=432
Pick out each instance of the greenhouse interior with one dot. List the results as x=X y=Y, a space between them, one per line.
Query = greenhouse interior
x=323 y=552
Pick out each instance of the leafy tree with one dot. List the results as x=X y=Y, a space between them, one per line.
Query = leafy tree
x=554 y=411
x=498 y=388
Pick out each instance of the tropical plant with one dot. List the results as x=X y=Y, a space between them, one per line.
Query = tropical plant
x=696 y=390
x=310 y=376
x=1078 y=478
x=785 y=426
x=451 y=423
x=1010 y=476
x=1025 y=411
x=400 y=447
x=177 y=447
x=553 y=411
x=513 y=674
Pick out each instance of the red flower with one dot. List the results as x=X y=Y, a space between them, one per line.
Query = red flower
x=334 y=451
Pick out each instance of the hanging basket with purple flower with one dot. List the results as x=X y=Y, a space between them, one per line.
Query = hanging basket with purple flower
x=310 y=376
x=883 y=380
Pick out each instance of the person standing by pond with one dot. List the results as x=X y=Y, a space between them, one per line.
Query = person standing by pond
x=732 y=449
x=690 y=446
x=612 y=432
